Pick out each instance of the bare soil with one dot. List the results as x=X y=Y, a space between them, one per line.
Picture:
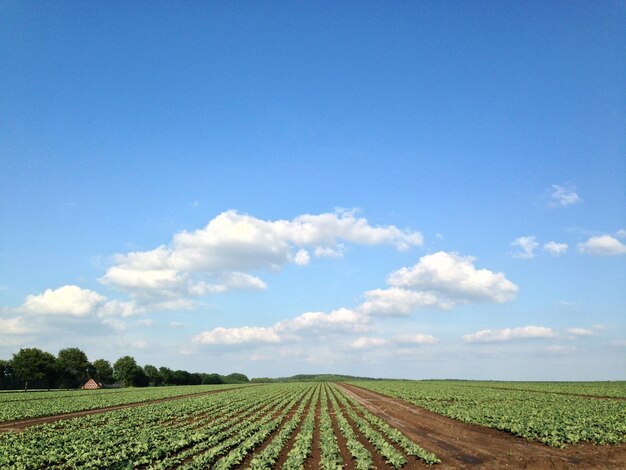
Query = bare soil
x=22 y=424
x=462 y=445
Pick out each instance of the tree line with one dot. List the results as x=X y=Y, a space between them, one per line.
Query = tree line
x=34 y=368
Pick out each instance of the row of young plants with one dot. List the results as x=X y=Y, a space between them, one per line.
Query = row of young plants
x=269 y=455
x=302 y=445
x=391 y=433
x=234 y=450
x=216 y=439
x=12 y=409
x=144 y=435
x=553 y=419
x=329 y=447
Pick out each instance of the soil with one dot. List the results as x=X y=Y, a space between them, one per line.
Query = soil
x=22 y=424
x=462 y=445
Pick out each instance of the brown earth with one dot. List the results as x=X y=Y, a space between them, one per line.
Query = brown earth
x=22 y=424
x=462 y=445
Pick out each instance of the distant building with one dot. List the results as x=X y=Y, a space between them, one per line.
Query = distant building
x=91 y=384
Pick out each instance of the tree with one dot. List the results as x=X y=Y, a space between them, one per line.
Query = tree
x=103 y=372
x=7 y=378
x=166 y=375
x=32 y=365
x=73 y=367
x=235 y=378
x=153 y=375
x=126 y=370
x=211 y=379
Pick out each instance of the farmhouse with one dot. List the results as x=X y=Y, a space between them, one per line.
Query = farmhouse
x=91 y=384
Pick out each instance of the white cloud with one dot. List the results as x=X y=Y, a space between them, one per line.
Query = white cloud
x=14 y=326
x=365 y=342
x=302 y=257
x=604 y=245
x=507 y=334
x=414 y=338
x=67 y=300
x=342 y=319
x=114 y=308
x=555 y=248
x=231 y=336
x=232 y=244
x=620 y=233
x=563 y=196
x=579 y=331
x=440 y=280
x=527 y=246
x=328 y=252
x=399 y=301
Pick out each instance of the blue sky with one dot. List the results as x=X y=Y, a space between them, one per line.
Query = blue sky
x=416 y=190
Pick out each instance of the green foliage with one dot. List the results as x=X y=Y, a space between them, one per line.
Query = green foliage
x=551 y=417
x=103 y=371
x=33 y=364
x=126 y=370
x=73 y=367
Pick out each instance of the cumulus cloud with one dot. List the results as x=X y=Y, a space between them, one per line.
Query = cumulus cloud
x=399 y=301
x=507 y=334
x=415 y=338
x=370 y=342
x=342 y=319
x=527 y=247
x=67 y=300
x=563 y=196
x=307 y=324
x=555 y=248
x=365 y=342
x=604 y=245
x=231 y=336
x=14 y=326
x=579 y=331
x=440 y=280
x=201 y=262
x=302 y=257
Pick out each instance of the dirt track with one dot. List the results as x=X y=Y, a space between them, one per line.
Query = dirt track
x=462 y=445
x=22 y=424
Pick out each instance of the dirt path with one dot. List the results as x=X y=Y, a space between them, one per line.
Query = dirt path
x=462 y=445
x=22 y=424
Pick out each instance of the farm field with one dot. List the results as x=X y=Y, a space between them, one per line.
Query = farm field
x=22 y=405
x=305 y=425
x=555 y=418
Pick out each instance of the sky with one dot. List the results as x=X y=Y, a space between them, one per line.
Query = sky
x=399 y=189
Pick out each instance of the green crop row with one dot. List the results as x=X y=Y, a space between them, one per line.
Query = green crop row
x=267 y=458
x=362 y=456
x=301 y=448
x=329 y=448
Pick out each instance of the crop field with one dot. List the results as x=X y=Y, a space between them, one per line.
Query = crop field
x=555 y=415
x=361 y=425
x=21 y=405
